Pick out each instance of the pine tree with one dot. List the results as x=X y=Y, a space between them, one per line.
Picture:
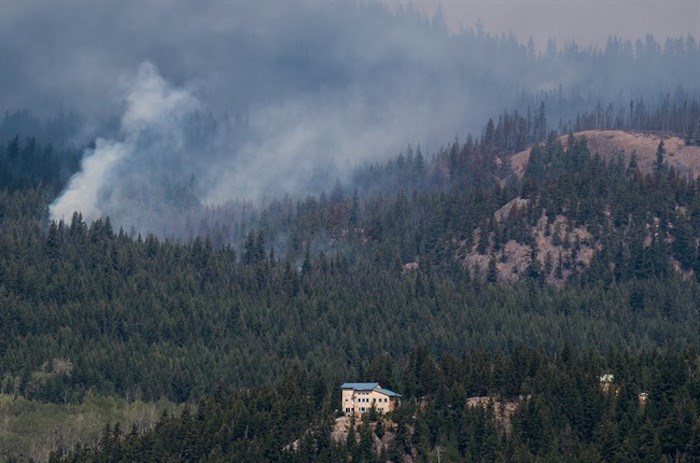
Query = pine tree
x=660 y=166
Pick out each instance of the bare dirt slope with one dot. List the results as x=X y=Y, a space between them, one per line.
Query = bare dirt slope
x=685 y=159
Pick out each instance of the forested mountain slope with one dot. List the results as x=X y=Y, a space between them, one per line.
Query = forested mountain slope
x=153 y=317
x=227 y=220
x=423 y=256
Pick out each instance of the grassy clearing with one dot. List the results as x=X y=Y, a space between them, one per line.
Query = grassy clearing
x=31 y=429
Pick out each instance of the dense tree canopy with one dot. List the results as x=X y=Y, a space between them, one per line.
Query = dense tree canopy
x=398 y=277
x=559 y=410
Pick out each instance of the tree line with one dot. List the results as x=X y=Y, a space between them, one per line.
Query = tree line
x=568 y=405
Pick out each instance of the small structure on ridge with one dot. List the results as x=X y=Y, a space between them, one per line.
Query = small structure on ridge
x=359 y=398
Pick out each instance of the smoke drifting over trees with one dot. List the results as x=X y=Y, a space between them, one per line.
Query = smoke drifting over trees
x=116 y=173
x=246 y=102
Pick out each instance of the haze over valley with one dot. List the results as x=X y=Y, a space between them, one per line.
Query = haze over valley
x=214 y=214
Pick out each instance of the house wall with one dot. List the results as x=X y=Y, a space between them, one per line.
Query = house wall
x=359 y=402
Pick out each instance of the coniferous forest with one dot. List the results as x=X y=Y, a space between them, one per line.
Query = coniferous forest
x=531 y=289
x=257 y=336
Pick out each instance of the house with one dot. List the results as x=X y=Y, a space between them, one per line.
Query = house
x=358 y=398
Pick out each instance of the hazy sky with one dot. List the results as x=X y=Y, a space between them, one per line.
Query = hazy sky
x=303 y=92
x=585 y=21
x=65 y=47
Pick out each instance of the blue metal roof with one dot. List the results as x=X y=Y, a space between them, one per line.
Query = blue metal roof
x=388 y=392
x=369 y=387
x=360 y=386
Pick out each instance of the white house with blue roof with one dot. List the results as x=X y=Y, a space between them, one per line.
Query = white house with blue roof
x=358 y=398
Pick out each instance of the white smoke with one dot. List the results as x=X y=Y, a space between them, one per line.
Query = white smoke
x=153 y=104
x=114 y=175
x=163 y=167
x=84 y=190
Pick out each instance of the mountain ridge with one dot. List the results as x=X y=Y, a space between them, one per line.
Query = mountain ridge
x=683 y=158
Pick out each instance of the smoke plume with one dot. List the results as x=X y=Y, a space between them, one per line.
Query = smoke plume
x=121 y=178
